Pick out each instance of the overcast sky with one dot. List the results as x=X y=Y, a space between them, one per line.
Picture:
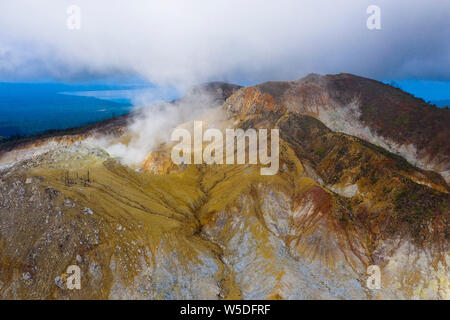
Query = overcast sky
x=185 y=42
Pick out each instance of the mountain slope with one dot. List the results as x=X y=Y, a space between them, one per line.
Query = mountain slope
x=337 y=205
x=368 y=109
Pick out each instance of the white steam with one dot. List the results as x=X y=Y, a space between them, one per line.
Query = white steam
x=151 y=126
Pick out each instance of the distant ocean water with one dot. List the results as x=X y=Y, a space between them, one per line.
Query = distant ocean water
x=34 y=108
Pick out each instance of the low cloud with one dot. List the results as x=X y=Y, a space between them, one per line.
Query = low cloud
x=181 y=43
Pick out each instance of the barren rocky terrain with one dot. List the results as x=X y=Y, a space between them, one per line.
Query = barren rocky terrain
x=363 y=180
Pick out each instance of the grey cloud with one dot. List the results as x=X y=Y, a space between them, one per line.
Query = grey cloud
x=180 y=43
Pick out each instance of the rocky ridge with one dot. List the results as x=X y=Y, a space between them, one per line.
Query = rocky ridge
x=340 y=203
